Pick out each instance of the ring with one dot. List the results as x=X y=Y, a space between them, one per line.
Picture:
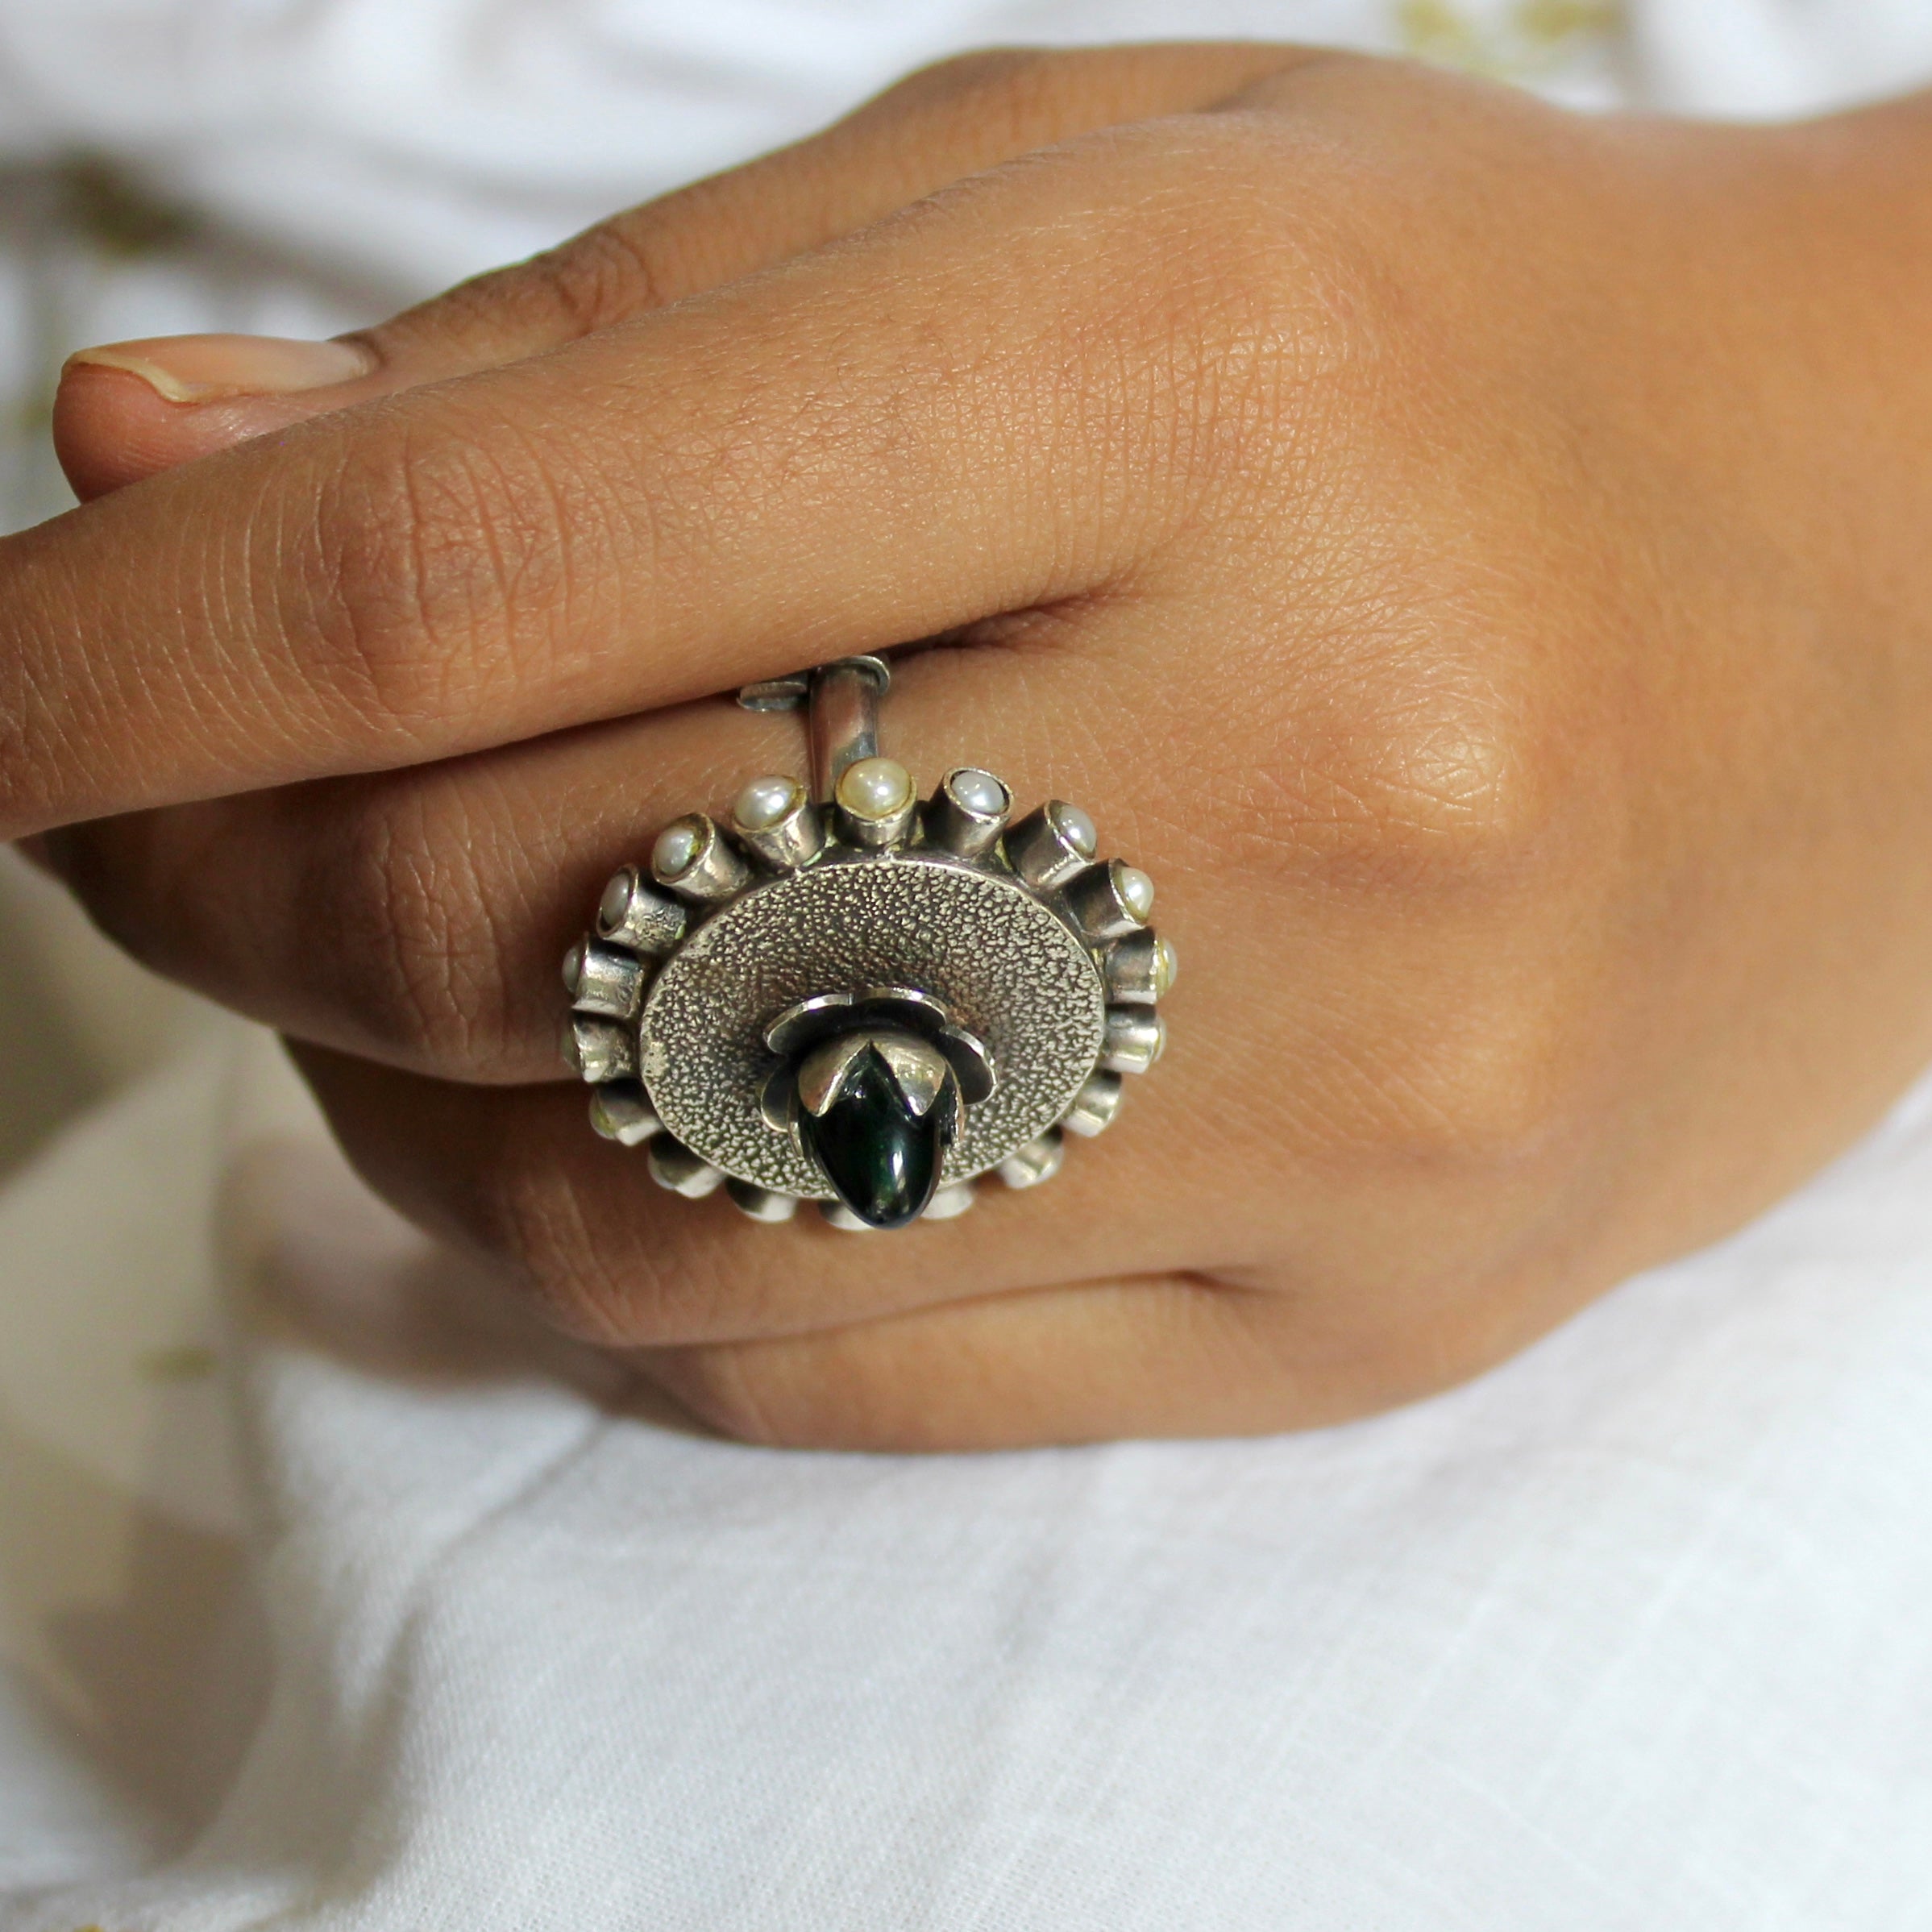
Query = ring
x=851 y=996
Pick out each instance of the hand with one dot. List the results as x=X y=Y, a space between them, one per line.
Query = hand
x=1470 y=554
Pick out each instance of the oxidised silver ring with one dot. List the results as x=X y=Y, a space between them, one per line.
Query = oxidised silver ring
x=847 y=995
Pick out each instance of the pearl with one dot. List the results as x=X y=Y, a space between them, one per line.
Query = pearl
x=616 y=901
x=1167 y=968
x=1136 y=890
x=765 y=803
x=676 y=847
x=978 y=793
x=573 y=966
x=875 y=788
x=1076 y=827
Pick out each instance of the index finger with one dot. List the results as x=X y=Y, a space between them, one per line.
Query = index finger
x=964 y=410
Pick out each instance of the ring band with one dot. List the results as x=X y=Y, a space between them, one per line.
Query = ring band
x=848 y=994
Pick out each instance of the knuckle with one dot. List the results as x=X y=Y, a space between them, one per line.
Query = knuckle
x=1230 y=305
x=436 y=559
x=1431 y=820
x=598 y=277
x=1488 y=1087
x=621 y=268
x=981 y=78
x=1403 y=765
x=1442 y=1079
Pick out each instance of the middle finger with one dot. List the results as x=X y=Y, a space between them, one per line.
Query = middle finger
x=418 y=918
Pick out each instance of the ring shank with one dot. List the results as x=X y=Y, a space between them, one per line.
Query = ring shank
x=842 y=700
x=844 y=718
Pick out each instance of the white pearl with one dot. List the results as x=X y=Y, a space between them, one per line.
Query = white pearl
x=1136 y=890
x=676 y=847
x=875 y=788
x=978 y=791
x=1077 y=829
x=616 y=901
x=765 y=802
x=573 y=966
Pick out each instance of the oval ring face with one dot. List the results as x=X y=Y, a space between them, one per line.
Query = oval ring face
x=1007 y=965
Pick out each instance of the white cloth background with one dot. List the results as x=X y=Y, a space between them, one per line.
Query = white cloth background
x=333 y=1595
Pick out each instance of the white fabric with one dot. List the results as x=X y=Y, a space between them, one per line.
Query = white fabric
x=332 y=1594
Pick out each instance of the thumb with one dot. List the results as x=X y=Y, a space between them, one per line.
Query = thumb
x=132 y=409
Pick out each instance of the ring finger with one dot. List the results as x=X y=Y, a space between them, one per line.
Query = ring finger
x=418 y=917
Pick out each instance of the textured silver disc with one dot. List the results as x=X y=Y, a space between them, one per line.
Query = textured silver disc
x=1010 y=969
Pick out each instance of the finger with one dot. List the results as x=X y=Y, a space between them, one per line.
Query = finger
x=957 y=1335
x=942 y=418
x=515 y=1175
x=451 y=891
x=126 y=411
x=1164 y=1355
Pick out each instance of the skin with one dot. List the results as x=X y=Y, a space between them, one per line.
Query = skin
x=1472 y=555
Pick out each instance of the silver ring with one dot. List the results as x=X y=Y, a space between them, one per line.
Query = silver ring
x=849 y=995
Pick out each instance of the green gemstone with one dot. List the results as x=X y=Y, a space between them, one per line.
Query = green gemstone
x=882 y=1158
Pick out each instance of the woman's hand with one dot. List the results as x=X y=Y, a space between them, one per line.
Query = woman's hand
x=1471 y=555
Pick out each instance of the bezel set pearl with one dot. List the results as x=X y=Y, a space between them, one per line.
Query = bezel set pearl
x=633 y=914
x=979 y=792
x=678 y=846
x=776 y=821
x=1078 y=830
x=1135 y=889
x=875 y=788
x=766 y=802
x=877 y=806
x=697 y=861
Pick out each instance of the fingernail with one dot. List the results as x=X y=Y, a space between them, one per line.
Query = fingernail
x=199 y=368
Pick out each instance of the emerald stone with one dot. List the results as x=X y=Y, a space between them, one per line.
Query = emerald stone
x=881 y=1158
